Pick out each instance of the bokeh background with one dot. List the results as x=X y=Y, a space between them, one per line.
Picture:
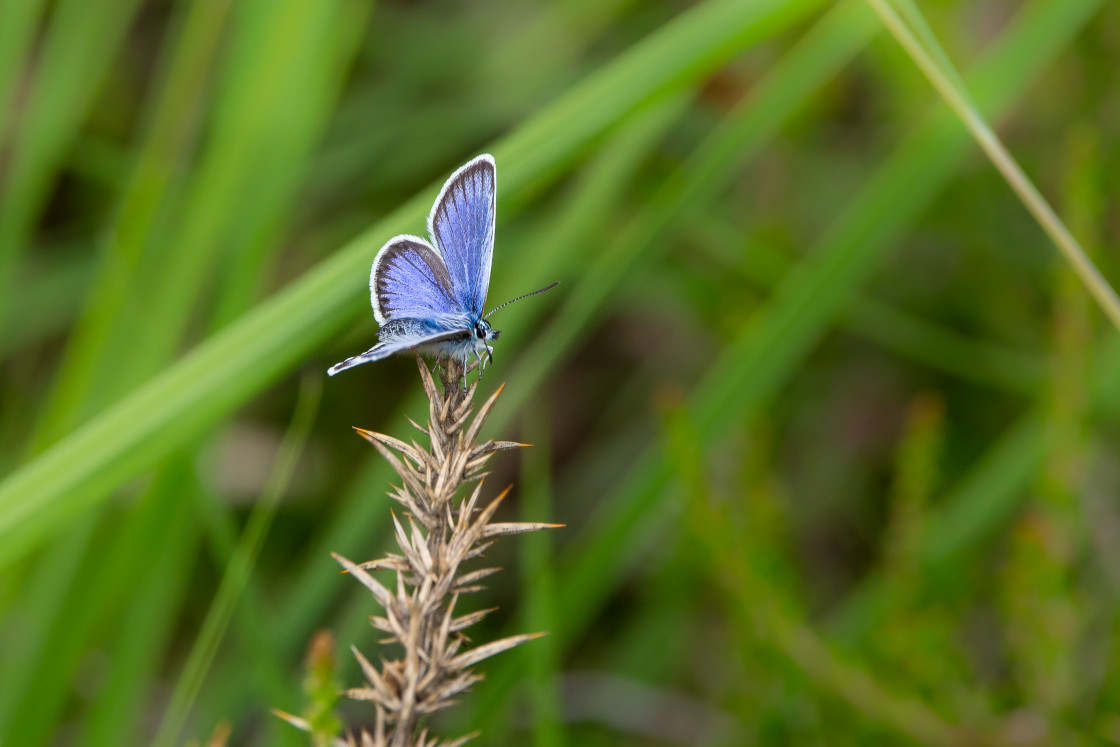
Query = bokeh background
x=830 y=424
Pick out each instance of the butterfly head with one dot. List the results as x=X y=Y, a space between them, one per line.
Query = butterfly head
x=483 y=331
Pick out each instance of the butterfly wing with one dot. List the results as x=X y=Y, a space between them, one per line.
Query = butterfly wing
x=409 y=280
x=397 y=345
x=462 y=227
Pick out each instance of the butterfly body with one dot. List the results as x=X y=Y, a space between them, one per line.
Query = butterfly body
x=430 y=296
x=470 y=342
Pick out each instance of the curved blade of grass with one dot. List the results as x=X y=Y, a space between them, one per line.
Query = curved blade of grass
x=168 y=138
x=993 y=147
x=17 y=32
x=236 y=363
x=66 y=607
x=538 y=583
x=241 y=566
x=145 y=629
x=77 y=51
x=774 y=341
x=269 y=678
x=45 y=591
x=174 y=119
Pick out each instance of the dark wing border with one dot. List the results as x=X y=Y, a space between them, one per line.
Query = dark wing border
x=426 y=252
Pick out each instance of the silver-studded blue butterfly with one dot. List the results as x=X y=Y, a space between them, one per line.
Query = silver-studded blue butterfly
x=430 y=297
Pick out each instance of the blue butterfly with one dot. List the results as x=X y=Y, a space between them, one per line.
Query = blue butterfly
x=430 y=297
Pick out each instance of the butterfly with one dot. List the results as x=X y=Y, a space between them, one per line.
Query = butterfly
x=430 y=296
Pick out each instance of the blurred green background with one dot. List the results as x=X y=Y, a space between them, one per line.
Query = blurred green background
x=830 y=424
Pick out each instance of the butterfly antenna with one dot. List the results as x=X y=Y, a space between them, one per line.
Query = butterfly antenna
x=519 y=298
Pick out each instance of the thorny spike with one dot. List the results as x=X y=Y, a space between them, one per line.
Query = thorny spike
x=438 y=453
x=516 y=527
x=460 y=419
x=390 y=563
x=491 y=509
x=478 y=550
x=491 y=446
x=412 y=452
x=478 y=653
x=380 y=593
x=421 y=546
x=483 y=413
x=472 y=467
x=406 y=473
x=473 y=576
x=465 y=621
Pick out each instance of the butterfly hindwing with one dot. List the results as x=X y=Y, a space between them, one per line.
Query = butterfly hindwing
x=462 y=226
x=397 y=345
x=410 y=280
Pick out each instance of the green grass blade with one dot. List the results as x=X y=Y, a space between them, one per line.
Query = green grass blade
x=46 y=590
x=145 y=630
x=174 y=118
x=169 y=137
x=17 y=32
x=538 y=584
x=77 y=50
x=240 y=568
x=82 y=603
x=994 y=148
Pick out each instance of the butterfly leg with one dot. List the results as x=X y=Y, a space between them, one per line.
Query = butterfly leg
x=481 y=364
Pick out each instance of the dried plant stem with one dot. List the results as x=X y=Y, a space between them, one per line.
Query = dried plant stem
x=439 y=533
